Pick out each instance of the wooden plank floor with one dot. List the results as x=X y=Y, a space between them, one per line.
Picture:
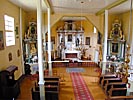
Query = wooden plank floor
x=66 y=89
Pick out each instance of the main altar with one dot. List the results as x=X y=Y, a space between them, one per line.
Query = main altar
x=73 y=55
x=70 y=41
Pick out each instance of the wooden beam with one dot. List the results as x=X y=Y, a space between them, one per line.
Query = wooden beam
x=114 y=4
x=49 y=6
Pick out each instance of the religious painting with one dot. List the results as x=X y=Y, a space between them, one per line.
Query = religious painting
x=53 y=39
x=32 y=27
x=69 y=38
x=87 y=41
x=99 y=38
x=17 y=35
x=33 y=30
x=115 y=47
x=1 y=41
x=18 y=52
x=10 y=56
x=33 y=49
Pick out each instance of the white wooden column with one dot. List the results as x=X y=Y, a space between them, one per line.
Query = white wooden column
x=130 y=32
x=49 y=44
x=105 y=42
x=40 y=54
x=21 y=39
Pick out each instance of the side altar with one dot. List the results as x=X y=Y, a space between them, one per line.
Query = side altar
x=116 y=43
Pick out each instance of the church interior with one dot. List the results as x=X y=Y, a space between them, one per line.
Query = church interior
x=66 y=50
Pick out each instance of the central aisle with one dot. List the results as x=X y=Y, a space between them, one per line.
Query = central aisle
x=81 y=90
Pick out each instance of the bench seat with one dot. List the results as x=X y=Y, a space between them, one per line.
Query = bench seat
x=117 y=91
x=107 y=80
x=49 y=95
x=120 y=98
x=108 y=86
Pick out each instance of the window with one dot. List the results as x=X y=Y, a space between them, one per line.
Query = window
x=95 y=30
x=9 y=30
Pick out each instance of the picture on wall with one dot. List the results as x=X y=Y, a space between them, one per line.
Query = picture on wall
x=87 y=41
x=33 y=30
x=17 y=35
x=1 y=41
x=115 y=47
x=10 y=56
x=18 y=52
x=69 y=37
x=53 y=39
x=99 y=38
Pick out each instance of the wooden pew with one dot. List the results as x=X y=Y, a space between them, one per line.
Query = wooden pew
x=52 y=95
x=114 y=85
x=49 y=95
x=35 y=94
x=107 y=80
x=117 y=92
x=52 y=88
x=52 y=83
x=120 y=98
x=106 y=76
x=53 y=78
x=48 y=87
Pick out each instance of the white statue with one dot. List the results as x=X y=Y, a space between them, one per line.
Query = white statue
x=66 y=26
x=73 y=26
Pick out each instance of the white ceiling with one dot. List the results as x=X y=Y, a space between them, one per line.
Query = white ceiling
x=28 y=5
x=74 y=6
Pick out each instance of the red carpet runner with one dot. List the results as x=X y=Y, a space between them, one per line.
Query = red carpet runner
x=81 y=90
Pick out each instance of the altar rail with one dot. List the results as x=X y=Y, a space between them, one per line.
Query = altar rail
x=73 y=63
